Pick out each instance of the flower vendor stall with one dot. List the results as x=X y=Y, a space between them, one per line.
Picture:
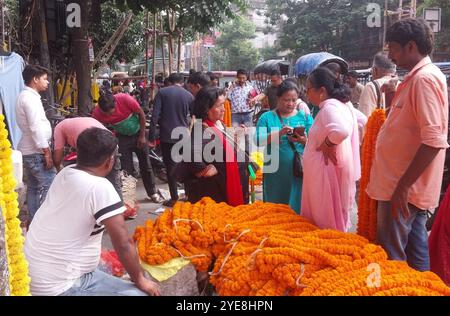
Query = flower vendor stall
x=266 y=249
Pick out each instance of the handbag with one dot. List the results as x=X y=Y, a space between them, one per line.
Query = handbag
x=297 y=164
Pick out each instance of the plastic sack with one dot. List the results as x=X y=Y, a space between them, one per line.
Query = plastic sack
x=110 y=263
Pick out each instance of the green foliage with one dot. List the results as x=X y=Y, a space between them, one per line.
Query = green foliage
x=339 y=26
x=12 y=13
x=234 y=49
x=270 y=52
x=196 y=15
x=320 y=25
x=131 y=45
x=12 y=21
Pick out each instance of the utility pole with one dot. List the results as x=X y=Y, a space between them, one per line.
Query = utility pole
x=412 y=12
x=163 y=53
x=170 y=18
x=155 y=34
x=146 y=49
x=180 y=37
x=385 y=24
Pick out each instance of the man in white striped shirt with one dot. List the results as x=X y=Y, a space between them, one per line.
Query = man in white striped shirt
x=36 y=135
x=63 y=244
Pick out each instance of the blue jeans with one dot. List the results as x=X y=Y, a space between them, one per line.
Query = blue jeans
x=242 y=118
x=39 y=180
x=406 y=239
x=99 y=283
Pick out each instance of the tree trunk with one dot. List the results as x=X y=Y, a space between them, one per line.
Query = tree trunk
x=44 y=52
x=179 y=51
x=96 y=11
x=170 y=41
x=170 y=44
x=2 y=17
x=81 y=59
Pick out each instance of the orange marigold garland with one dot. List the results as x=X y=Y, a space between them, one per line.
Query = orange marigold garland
x=266 y=249
x=367 y=208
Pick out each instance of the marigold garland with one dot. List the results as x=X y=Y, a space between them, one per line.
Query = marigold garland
x=258 y=158
x=266 y=249
x=367 y=208
x=18 y=266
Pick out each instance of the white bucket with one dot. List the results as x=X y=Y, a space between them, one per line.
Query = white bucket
x=18 y=166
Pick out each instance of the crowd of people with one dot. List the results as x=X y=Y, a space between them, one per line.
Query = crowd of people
x=315 y=131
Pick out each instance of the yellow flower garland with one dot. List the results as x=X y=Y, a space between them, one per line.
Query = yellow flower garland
x=18 y=267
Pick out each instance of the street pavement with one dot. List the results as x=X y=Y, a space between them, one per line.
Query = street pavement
x=143 y=214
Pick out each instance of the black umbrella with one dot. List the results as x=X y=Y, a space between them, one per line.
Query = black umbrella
x=266 y=67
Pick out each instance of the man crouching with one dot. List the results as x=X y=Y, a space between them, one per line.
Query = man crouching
x=63 y=244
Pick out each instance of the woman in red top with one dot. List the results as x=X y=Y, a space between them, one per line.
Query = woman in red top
x=222 y=178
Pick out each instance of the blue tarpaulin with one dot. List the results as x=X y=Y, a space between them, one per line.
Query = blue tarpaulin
x=11 y=83
x=307 y=63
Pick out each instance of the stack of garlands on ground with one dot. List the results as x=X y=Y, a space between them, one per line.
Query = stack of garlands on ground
x=367 y=208
x=266 y=249
x=19 y=282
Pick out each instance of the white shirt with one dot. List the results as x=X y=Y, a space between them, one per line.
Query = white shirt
x=35 y=127
x=368 y=98
x=239 y=97
x=64 y=240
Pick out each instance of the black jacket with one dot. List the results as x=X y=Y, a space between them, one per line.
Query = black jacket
x=171 y=110
x=214 y=187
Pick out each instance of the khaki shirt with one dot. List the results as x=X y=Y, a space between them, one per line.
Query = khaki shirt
x=356 y=93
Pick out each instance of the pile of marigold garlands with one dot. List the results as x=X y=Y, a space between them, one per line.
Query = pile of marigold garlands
x=17 y=265
x=367 y=208
x=266 y=249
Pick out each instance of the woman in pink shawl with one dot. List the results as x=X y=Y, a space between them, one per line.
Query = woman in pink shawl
x=331 y=162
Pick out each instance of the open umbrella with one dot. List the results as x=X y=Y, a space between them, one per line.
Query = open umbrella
x=266 y=67
x=307 y=63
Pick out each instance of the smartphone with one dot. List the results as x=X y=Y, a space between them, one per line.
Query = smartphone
x=299 y=130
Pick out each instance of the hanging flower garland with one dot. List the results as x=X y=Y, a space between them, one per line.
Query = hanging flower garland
x=367 y=208
x=266 y=249
x=18 y=266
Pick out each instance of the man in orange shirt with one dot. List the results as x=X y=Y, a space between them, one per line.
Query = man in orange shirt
x=407 y=170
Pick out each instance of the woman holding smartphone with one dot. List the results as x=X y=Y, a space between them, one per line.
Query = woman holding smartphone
x=285 y=130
